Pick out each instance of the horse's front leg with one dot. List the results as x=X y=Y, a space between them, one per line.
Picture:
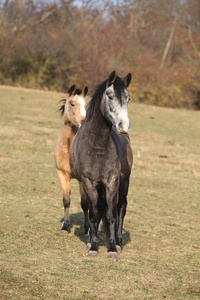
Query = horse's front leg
x=85 y=208
x=111 y=219
x=111 y=194
x=94 y=221
x=66 y=188
x=95 y=213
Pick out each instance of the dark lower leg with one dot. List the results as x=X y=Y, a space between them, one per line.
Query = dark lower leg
x=112 y=240
x=112 y=251
x=84 y=205
x=66 y=188
x=86 y=225
x=121 y=214
x=121 y=208
x=111 y=218
x=93 y=230
x=66 y=204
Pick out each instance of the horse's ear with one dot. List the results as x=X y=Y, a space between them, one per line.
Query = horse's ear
x=127 y=79
x=111 y=78
x=72 y=90
x=85 y=91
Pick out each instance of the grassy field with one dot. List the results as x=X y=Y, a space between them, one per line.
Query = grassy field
x=160 y=258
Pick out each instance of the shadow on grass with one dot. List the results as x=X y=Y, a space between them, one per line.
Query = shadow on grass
x=77 y=221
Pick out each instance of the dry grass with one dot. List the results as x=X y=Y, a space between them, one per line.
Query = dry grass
x=161 y=250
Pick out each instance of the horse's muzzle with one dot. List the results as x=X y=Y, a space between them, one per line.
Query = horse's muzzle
x=123 y=128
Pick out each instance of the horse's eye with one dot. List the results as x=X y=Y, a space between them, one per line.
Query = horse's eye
x=110 y=97
x=72 y=104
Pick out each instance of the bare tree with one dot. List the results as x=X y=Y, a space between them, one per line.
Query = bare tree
x=3 y=11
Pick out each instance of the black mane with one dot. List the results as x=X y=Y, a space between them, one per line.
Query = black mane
x=95 y=98
x=77 y=92
x=61 y=109
x=119 y=85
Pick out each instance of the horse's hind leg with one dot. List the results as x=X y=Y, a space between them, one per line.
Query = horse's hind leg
x=66 y=187
x=85 y=207
x=121 y=208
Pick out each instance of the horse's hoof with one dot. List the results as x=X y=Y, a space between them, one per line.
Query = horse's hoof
x=113 y=255
x=64 y=231
x=119 y=249
x=88 y=246
x=92 y=253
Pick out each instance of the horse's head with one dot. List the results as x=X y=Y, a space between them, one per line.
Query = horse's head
x=75 y=105
x=115 y=102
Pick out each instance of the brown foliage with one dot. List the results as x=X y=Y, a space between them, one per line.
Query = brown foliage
x=52 y=46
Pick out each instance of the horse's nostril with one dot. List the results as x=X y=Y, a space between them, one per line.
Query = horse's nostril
x=120 y=125
x=123 y=127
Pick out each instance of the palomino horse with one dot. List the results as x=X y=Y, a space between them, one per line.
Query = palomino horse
x=101 y=159
x=73 y=110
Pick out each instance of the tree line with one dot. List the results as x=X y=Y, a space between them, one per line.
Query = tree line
x=52 y=45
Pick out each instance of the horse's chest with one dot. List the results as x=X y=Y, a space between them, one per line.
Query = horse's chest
x=101 y=163
x=99 y=155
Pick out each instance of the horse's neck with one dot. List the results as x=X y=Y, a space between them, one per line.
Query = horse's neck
x=68 y=132
x=100 y=130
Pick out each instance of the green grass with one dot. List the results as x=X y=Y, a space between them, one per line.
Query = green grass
x=161 y=250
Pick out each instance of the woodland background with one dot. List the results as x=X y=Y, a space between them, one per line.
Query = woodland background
x=51 y=45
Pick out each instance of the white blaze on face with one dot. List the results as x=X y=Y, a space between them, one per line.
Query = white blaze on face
x=82 y=105
x=121 y=120
x=117 y=112
x=124 y=123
